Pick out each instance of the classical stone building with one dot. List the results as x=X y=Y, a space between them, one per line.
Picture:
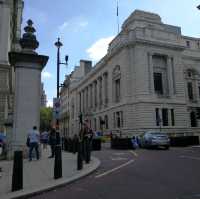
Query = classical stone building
x=10 y=29
x=148 y=80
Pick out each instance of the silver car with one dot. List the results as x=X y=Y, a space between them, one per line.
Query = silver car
x=154 y=139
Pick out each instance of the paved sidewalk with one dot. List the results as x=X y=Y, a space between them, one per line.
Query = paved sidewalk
x=39 y=175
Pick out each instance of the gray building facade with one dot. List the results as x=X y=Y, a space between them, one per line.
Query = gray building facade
x=148 y=80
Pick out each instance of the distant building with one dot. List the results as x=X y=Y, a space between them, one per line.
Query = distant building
x=43 y=97
x=148 y=80
x=10 y=29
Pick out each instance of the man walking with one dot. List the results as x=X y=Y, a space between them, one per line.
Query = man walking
x=33 y=142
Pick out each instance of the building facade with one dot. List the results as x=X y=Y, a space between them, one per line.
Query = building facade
x=10 y=30
x=148 y=80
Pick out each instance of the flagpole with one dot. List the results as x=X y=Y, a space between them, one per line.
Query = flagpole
x=118 y=16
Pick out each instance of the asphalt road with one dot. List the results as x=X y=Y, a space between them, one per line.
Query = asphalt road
x=138 y=174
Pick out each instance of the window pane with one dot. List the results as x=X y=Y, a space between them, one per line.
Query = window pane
x=158 y=120
x=165 y=116
x=172 y=117
x=158 y=83
x=190 y=90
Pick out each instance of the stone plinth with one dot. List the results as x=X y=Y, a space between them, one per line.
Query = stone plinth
x=28 y=66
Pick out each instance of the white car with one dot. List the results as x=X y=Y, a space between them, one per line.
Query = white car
x=154 y=139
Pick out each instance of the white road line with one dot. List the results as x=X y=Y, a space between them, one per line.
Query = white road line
x=119 y=158
x=114 y=169
x=134 y=153
x=190 y=157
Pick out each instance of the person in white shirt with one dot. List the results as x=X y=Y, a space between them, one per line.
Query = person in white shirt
x=34 y=138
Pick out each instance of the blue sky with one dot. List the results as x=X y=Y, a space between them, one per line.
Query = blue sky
x=86 y=27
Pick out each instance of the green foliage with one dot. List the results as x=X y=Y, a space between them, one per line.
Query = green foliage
x=46 y=116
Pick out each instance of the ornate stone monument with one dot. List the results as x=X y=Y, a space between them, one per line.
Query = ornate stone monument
x=28 y=66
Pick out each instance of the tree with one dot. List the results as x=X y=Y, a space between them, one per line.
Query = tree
x=46 y=116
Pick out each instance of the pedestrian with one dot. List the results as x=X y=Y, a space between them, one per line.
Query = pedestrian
x=44 y=139
x=134 y=142
x=33 y=137
x=52 y=142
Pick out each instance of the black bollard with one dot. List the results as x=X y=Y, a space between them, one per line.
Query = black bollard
x=58 y=163
x=87 y=151
x=17 y=177
x=79 y=157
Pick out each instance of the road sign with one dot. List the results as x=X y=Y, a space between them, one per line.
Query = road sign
x=56 y=108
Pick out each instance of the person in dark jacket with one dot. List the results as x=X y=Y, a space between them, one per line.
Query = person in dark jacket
x=52 y=142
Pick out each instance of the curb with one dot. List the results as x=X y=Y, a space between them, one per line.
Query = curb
x=58 y=183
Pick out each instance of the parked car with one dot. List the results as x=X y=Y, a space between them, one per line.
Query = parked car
x=154 y=139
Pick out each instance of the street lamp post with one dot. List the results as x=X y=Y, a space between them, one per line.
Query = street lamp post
x=58 y=44
x=58 y=155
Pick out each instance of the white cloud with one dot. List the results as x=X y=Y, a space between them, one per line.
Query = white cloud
x=49 y=103
x=83 y=23
x=99 y=48
x=46 y=75
x=74 y=24
x=63 y=26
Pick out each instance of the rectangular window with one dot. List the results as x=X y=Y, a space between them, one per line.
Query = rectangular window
x=190 y=91
x=122 y=120
x=165 y=116
x=158 y=120
x=95 y=124
x=172 y=117
x=100 y=123
x=106 y=121
x=118 y=119
x=114 y=121
x=188 y=44
x=158 y=85
x=117 y=90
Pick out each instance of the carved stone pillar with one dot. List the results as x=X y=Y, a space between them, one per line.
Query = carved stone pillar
x=28 y=66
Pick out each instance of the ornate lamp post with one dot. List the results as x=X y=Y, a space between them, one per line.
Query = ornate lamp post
x=58 y=155
x=58 y=44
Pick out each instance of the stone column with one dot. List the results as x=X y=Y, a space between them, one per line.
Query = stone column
x=91 y=96
x=170 y=76
x=28 y=66
x=151 y=78
x=95 y=95
x=100 y=92
x=105 y=88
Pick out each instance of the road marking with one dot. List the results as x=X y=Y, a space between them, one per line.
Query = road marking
x=119 y=158
x=134 y=153
x=114 y=169
x=190 y=157
x=119 y=153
